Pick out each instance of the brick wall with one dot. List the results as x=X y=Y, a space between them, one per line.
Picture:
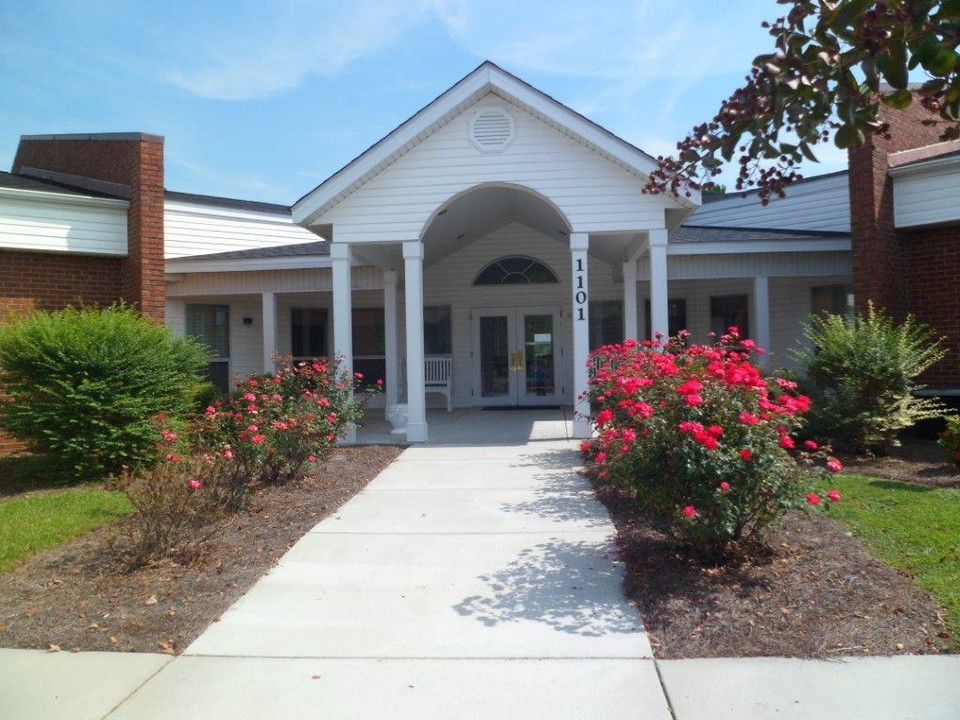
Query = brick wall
x=876 y=251
x=132 y=159
x=932 y=280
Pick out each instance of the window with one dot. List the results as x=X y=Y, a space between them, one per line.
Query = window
x=514 y=271
x=210 y=324
x=729 y=311
x=369 y=344
x=308 y=333
x=676 y=316
x=834 y=299
x=606 y=322
x=437 y=339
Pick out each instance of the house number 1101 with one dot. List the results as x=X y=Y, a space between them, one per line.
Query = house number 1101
x=580 y=296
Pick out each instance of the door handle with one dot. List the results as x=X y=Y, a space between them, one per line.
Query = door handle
x=516 y=361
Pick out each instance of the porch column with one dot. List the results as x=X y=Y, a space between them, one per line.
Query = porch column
x=579 y=245
x=630 y=329
x=413 y=295
x=659 y=302
x=268 y=301
x=343 y=317
x=390 y=335
x=761 y=314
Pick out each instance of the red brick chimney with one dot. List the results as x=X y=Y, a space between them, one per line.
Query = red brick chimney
x=134 y=160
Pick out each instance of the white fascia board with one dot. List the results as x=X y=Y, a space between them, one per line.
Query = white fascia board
x=56 y=198
x=735 y=248
x=932 y=166
x=201 y=210
x=188 y=265
x=486 y=78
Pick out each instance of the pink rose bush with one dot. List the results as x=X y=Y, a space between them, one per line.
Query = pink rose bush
x=269 y=431
x=700 y=437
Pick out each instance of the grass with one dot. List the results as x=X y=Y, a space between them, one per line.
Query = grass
x=910 y=527
x=38 y=522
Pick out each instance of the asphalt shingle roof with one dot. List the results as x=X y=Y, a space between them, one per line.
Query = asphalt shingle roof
x=25 y=182
x=320 y=249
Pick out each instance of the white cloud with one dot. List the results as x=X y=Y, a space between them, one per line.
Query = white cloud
x=274 y=47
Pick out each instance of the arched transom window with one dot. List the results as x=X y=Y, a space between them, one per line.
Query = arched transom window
x=513 y=271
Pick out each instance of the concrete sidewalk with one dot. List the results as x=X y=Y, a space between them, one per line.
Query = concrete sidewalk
x=463 y=582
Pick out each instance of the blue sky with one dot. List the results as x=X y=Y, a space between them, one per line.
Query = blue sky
x=264 y=100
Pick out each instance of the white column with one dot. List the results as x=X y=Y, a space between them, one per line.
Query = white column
x=579 y=244
x=630 y=328
x=659 y=303
x=761 y=314
x=343 y=316
x=413 y=295
x=268 y=301
x=390 y=335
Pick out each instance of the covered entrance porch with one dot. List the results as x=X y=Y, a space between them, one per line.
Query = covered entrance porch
x=476 y=426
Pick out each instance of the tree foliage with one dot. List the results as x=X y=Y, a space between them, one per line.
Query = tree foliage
x=835 y=64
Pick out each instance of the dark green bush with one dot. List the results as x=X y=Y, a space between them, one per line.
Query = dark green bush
x=83 y=385
x=861 y=373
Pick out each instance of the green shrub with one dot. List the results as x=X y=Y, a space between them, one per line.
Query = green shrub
x=861 y=374
x=701 y=439
x=83 y=385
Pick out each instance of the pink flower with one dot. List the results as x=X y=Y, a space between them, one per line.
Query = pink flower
x=693 y=400
x=834 y=495
x=258 y=439
x=168 y=435
x=691 y=427
x=725 y=486
x=748 y=418
x=604 y=416
x=252 y=383
x=601 y=458
x=810 y=444
x=786 y=442
x=689 y=512
x=311 y=458
x=745 y=454
x=210 y=411
x=358 y=375
x=195 y=484
x=690 y=387
x=173 y=457
x=250 y=397
x=228 y=453
x=332 y=417
x=715 y=430
x=252 y=428
x=834 y=465
x=813 y=498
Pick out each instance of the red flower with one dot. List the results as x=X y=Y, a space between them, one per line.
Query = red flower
x=745 y=454
x=786 y=442
x=604 y=416
x=258 y=439
x=690 y=387
x=601 y=458
x=725 y=486
x=813 y=498
x=810 y=444
x=689 y=512
x=195 y=484
x=834 y=495
x=715 y=430
x=748 y=418
x=693 y=400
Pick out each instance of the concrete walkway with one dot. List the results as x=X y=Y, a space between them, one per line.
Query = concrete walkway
x=464 y=582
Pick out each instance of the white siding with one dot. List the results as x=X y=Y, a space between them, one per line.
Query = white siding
x=815 y=204
x=280 y=281
x=197 y=229
x=593 y=193
x=749 y=265
x=53 y=222
x=927 y=197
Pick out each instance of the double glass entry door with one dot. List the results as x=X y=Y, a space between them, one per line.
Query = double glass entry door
x=516 y=356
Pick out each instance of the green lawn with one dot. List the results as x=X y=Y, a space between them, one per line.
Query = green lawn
x=37 y=522
x=910 y=527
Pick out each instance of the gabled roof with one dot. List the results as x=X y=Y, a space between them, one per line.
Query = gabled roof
x=486 y=78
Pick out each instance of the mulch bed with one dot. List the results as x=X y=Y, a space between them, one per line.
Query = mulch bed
x=80 y=596
x=816 y=592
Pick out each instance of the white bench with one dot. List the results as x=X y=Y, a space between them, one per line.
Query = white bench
x=438 y=377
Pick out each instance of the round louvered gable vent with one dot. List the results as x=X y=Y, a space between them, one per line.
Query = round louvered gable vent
x=492 y=129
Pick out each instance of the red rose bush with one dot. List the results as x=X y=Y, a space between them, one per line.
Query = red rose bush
x=700 y=437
